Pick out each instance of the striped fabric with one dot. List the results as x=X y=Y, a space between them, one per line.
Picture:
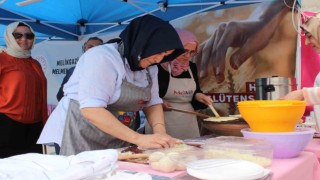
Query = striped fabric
x=311 y=95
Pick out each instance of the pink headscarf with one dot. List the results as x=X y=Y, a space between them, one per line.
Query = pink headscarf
x=178 y=67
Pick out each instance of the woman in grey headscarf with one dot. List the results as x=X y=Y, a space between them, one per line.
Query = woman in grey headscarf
x=23 y=93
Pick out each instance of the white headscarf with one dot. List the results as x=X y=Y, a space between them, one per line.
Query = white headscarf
x=312 y=26
x=13 y=48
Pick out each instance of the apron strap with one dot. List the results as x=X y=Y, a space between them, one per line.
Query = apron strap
x=121 y=50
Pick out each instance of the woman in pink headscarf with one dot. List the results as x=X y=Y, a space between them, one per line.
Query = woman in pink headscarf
x=179 y=88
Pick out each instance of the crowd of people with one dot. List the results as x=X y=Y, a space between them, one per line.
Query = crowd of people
x=148 y=69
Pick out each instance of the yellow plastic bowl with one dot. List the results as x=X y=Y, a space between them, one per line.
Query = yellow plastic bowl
x=272 y=115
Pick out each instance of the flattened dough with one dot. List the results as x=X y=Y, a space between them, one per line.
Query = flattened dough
x=220 y=119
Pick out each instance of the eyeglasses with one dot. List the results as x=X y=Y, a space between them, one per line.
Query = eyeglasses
x=29 y=36
x=190 y=52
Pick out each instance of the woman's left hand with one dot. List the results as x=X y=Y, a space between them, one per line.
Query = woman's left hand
x=204 y=99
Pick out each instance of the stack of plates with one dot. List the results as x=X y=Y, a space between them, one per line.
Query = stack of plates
x=226 y=169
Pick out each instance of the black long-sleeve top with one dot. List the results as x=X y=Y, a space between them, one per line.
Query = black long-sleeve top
x=163 y=80
x=60 y=93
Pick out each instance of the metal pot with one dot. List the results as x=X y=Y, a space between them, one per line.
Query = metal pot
x=274 y=87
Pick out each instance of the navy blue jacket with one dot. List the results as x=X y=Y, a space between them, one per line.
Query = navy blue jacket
x=60 y=93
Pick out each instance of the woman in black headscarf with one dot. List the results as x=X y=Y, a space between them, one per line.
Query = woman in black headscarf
x=112 y=78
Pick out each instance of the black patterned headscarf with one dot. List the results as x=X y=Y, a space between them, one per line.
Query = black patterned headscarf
x=146 y=36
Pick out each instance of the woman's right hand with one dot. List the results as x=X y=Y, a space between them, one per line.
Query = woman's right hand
x=293 y=95
x=204 y=98
x=156 y=141
x=166 y=105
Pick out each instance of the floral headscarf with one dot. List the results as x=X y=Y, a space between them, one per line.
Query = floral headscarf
x=178 y=67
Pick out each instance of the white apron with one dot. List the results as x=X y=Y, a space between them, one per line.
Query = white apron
x=179 y=94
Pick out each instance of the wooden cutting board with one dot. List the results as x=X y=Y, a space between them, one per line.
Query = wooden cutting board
x=133 y=154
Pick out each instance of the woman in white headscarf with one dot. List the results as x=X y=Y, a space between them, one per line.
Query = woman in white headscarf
x=311 y=95
x=23 y=93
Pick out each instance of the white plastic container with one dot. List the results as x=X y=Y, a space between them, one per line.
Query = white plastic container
x=226 y=169
x=259 y=151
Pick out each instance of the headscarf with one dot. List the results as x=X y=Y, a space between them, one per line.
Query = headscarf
x=146 y=36
x=178 y=67
x=13 y=48
x=312 y=26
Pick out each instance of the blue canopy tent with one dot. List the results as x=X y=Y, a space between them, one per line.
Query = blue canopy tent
x=74 y=19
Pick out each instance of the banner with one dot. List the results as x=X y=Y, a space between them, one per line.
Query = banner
x=241 y=44
x=237 y=45
x=56 y=58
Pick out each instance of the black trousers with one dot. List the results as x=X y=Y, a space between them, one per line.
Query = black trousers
x=18 y=138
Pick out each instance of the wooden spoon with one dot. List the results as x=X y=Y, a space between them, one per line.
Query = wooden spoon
x=218 y=118
x=214 y=111
x=189 y=112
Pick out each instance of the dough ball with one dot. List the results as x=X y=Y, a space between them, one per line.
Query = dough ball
x=155 y=166
x=173 y=154
x=190 y=158
x=167 y=165
x=156 y=156
x=181 y=166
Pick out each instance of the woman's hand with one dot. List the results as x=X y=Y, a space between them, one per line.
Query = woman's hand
x=156 y=141
x=166 y=105
x=204 y=98
x=294 y=95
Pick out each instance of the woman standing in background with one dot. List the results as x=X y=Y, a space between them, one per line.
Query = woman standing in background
x=311 y=95
x=23 y=93
x=179 y=88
